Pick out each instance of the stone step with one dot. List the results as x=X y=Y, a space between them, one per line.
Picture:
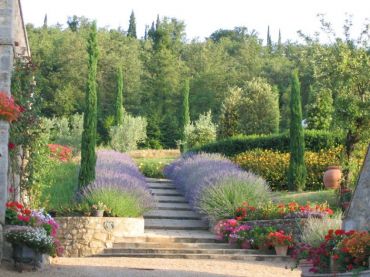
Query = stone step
x=173 y=245
x=177 y=251
x=244 y=257
x=173 y=236
x=154 y=180
x=173 y=224
x=164 y=192
x=170 y=199
x=171 y=214
x=162 y=186
x=173 y=206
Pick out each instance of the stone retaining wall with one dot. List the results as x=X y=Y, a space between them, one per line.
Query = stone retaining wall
x=85 y=236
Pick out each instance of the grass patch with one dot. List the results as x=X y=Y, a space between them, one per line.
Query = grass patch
x=302 y=198
x=59 y=185
x=153 y=167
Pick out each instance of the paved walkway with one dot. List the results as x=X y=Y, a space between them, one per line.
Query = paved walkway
x=133 y=267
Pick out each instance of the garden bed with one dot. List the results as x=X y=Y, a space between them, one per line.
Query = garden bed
x=86 y=236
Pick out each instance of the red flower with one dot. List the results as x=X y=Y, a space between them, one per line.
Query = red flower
x=11 y=146
x=339 y=232
x=27 y=211
x=335 y=257
x=19 y=205
x=350 y=267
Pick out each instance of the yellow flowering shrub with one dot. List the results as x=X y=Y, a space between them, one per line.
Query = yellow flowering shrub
x=273 y=166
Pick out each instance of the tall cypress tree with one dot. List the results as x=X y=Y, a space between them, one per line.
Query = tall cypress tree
x=88 y=143
x=279 y=46
x=118 y=117
x=297 y=168
x=269 y=41
x=185 y=106
x=131 y=32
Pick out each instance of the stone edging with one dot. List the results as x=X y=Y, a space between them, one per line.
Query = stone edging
x=86 y=236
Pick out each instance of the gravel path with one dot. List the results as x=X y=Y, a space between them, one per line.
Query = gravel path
x=132 y=267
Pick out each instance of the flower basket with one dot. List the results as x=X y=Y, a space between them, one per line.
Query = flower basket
x=22 y=254
x=9 y=110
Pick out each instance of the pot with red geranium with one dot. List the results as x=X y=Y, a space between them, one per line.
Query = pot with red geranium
x=224 y=228
x=9 y=110
x=280 y=241
x=32 y=233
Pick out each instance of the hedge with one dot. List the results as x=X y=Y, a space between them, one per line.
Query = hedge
x=273 y=166
x=314 y=141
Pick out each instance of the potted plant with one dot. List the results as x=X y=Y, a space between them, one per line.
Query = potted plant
x=29 y=243
x=9 y=110
x=98 y=209
x=31 y=233
x=280 y=241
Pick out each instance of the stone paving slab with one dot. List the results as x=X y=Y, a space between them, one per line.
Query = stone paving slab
x=171 y=214
x=173 y=245
x=165 y=192
x=175 y=224
x=179 y=234
x=173 y=206
x=170 y=199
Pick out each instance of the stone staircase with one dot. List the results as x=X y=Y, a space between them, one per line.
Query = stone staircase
x=173 y=230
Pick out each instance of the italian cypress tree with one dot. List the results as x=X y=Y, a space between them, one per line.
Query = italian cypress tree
x=297 y=169
x=118 y=117
x=185 y=106
x=131 y=32
x=88 y=143
x=269 y=41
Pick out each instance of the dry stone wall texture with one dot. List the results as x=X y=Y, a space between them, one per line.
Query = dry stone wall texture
x=86 y=236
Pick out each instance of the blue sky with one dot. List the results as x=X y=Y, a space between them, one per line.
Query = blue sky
x=202 y=17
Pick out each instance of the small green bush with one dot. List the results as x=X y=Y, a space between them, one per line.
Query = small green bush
x=315 y=229
x=221 y=200
x=120 y=203
x=127 y=136
x=314 y=141
x=153 y=168
x=200 y=132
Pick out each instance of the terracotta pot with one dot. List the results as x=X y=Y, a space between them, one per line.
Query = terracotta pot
x=245 y=245
x=98 y=213
x=281 y=250
x=332 y=177
x=305 y=266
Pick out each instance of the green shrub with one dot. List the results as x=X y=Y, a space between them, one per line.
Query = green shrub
x=120 y=203
x=57 y=185
x=127 y=136
x=273 y=166
x=153 y=168
x=315 y=229
x=314 y=141
x=220 y=201
x=65 y=130
x=200 y=132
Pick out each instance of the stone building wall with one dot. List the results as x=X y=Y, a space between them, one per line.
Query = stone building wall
x=358 y=214
x=6 y=64
x=13 y=42
x=86 y=236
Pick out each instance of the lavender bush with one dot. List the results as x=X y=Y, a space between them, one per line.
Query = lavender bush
x=215 y=186
x=119 y=185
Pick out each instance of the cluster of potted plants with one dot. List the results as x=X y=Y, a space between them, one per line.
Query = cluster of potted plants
x=256 y=237
x=341 y=251
x=99 y=209
x=32 y=233
x=281 y=211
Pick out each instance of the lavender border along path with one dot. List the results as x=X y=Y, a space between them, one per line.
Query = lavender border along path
x=173 y=230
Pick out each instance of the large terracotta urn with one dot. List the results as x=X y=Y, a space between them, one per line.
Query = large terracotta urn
x=332 y=177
